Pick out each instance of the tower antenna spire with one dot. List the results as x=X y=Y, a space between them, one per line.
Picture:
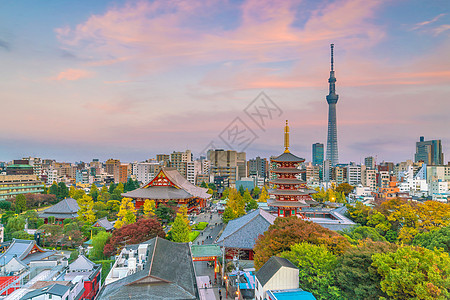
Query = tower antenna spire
x=332 y=57
x=286 y=138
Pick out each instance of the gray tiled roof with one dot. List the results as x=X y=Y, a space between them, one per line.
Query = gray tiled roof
x=103 y=222
x=21 y=249
x=271 y=267
x=243 y=232
x=171 y=268
x=288 y=157
x=302 y=203
x=64 y=209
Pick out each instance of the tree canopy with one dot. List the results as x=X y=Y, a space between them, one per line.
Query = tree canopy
x=143 y=230
x=414 y=273
x=289 y=231
x=316 y=266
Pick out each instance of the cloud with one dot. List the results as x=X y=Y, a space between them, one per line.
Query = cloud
x=440 y=29
x=72 y=74
x=5 y=45
x=159 y=35
x=422 y=24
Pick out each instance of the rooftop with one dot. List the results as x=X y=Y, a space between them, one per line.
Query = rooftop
x=271 y=267
x=243 y=232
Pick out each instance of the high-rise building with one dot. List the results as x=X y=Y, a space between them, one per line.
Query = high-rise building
x=317 y=154
x=369 y=162
x=179 y=161
x=228 y=164
x=430 y=152
x=257 y=167
x=332 y=99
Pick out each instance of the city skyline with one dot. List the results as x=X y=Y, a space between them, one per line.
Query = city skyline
x=130 y=80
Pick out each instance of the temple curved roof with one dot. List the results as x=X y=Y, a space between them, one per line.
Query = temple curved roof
x=182 y=188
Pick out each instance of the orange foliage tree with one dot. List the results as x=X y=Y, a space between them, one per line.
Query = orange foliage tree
x=286 y=232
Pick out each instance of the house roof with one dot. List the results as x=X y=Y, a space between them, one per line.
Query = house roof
x=81 y=263
x=103 y=222
x=21 y=250
x=183 y=188
x=64 y=209
x=271 y=267
x=168 y=274
x=54 y=289
x=243 y=232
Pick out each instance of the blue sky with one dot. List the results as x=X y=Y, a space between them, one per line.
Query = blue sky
x=127 y=79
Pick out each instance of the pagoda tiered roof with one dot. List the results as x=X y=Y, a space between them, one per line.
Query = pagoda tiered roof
x=287 y=170
x=288 y=157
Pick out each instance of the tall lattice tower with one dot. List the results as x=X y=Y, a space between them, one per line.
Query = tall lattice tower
x=332 y=99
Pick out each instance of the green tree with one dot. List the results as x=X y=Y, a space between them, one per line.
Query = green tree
x=180 y=228
x=250 y=203
x=21 y=203
x=358 y=212
x=126 y=214
x=241 y=190
x=104 y=195
x=53 y=189
x=164 y=213
x=438 y=238
x=204 y=185
x=256 y=191
x=264 y=195
x=98 y=244
x=358 y=233
x=63 y=191
x=414 y=273
x=355 y=275
x=113 y=205
x=15 y=223
x=94 y=192
x=112 y=187
x=149 y=208
x=86 y=212
x=316 y=269
x=289 y=231
x=34 y=222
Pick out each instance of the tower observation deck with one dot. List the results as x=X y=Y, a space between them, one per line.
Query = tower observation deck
x=332 y=99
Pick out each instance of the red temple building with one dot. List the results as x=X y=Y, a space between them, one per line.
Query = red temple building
x=169 y=185
x=291 y=194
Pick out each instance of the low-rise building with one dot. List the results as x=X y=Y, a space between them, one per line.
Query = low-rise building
x=13 y=185
x=156 y=269
x=278 y=279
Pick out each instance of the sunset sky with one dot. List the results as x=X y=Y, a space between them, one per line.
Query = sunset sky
x=130 y=79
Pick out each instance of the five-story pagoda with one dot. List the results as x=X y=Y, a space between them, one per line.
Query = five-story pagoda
x=291 y=194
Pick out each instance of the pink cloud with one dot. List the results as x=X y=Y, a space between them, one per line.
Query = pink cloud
x=73 y=74
x=156 y=35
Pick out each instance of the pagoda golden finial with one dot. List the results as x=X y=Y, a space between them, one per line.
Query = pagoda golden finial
x=286 y=138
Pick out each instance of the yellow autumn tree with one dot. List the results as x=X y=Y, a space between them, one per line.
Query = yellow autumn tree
x=149 y=208
x=264 y=195
x=86 y=212
x=180 y=229
x=126 y=214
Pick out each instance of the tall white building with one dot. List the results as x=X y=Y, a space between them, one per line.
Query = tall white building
x=354 y=174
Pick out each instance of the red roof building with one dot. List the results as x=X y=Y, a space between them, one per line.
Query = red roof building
x=291 y=194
